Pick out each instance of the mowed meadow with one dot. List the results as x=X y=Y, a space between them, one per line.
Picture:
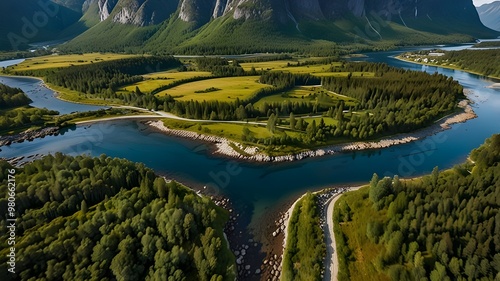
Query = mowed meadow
x=309 y=94
x=56 y=61
x=156 y=80
x=220 y=89
x=296 y=67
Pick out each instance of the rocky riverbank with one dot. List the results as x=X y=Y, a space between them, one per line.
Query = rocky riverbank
x=250 y=153
x=28 y=135
x=21 y=160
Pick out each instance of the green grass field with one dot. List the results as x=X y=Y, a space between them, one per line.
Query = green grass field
x=229 y=131
x=282 y=65
x=54 y=61
x=174 y=75
x=317 y=70
x=158 y=79
x=363 y=252
x=308 y=93
x=234 y=132
x=229 y=89
x=75 y=96
x=267 y=65
x=327 y=120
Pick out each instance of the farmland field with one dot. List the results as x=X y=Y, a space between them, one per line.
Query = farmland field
x=54 y=61
x=155 y=80
x=265 y=65
x=172 y=75
x=291 y=66
x=327 y=120
x=223 y=89
x=307 y=93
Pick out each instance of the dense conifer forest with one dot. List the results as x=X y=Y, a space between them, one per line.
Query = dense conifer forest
x=443 y=226
x=83 y=218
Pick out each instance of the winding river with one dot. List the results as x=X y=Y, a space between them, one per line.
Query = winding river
x=260 y=186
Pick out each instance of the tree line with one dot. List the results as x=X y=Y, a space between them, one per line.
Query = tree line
x=397 y=100
x=104 y=77
x=82 y=218
x=480 y=61
x=443 y=226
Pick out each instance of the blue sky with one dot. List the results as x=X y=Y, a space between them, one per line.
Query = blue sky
x=481 y=2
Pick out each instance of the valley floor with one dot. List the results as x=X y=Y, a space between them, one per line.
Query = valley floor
x=237 y=150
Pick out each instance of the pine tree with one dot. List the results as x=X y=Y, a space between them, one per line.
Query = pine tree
x=292 y=121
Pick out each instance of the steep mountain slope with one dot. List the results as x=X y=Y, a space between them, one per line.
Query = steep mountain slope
x=222 y=26
x=27 y=21
x=490 y=15
x=75 y=5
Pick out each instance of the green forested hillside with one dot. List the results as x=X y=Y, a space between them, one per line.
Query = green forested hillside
x=84 y=218
x=28 y=21
x=444 y=226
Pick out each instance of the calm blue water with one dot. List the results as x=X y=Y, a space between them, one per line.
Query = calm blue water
x=260 y=186
x=6 y=63
x=40 y=95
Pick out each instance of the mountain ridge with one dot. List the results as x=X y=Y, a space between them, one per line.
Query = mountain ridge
x=490 y=15
x=218 y=26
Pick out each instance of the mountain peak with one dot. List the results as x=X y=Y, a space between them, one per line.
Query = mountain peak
x=490 y=15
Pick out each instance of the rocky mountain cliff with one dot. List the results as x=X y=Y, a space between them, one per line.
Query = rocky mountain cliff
x=136 y=12
x=490 y=15
x=160 y=24
x=147 y=12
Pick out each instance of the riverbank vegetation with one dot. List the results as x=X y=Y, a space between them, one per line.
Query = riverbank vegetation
x=305 y=246
x=443 y=226
x=82 y=218
x=156 y=80
x=475 y=61
x=16 y=114
x=73 y=118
